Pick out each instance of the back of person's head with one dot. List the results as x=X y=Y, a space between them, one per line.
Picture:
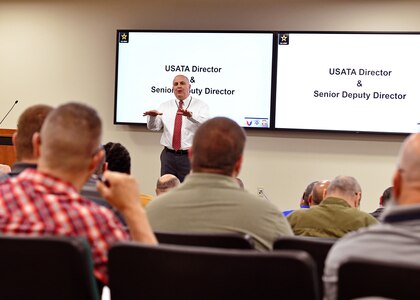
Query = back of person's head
x=386 y=196
x=347 y=188
x=304 y=201
x=407 y=176
x=218 y=146
x=29 y=122
x=318 y=191
x=70 y=137
x=165 y=183
x=117 y=157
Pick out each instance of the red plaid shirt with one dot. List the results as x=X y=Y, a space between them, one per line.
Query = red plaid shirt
x=35 y=203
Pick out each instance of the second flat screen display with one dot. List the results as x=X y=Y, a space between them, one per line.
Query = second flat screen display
x=360 y=82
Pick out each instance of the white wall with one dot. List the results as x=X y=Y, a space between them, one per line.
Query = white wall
x=56 y=51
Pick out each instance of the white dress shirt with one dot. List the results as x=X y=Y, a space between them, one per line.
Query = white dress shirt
x=200 y=113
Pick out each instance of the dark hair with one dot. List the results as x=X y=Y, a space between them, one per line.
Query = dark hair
x=118 y=158
x=218 y=144
x=308 y=191
x=386 y=196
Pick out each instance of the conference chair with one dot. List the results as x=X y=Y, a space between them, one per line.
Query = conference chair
x=47 y=268
x=214 y=240
x=139 y=271
x=359 y=278
x=317 y=247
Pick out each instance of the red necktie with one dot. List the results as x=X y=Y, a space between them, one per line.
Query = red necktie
x=176 y=139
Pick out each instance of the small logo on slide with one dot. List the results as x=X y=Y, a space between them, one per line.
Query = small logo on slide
x=123 y=37
x=256 y=122
x=283 y=39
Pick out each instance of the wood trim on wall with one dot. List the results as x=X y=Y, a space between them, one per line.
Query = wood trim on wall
x=7 y=151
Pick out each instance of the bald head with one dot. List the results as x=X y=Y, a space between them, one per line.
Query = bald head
x=346 y=188
x=165 y=183
x=30 y=121
x=318 y=191
x=407 y=175
x=409 y=158
x=69 y=138
x=218 y=146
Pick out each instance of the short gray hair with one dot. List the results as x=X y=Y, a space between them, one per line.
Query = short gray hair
x=345 y=185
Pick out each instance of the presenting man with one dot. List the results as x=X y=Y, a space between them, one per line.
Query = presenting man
x=179 y=119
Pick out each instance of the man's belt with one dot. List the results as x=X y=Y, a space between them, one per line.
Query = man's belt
x=180 y=152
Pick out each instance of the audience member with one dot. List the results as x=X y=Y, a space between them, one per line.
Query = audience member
x=383 y=202
x=46 y=201
x=90 y=191
x=118 y=159
x=318 y=192
x=304 y=201
x=397 y=238
x=336 y=215
x=315 y=197
x=4 y=169
x=29 y=122
x=210 y=199
x=165 y=183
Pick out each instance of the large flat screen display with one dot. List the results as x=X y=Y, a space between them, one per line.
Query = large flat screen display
x=340 y=81
x=230 y=71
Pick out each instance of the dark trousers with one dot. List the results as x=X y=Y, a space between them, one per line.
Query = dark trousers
x=175 y=162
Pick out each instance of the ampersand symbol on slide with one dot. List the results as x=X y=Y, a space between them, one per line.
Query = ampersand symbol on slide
x=359 y=83
x=192 y=80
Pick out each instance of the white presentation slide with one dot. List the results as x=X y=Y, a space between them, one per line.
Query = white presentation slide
x=231 y=72
x=361 y=82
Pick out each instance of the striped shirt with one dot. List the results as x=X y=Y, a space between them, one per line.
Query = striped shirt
x=35 y=203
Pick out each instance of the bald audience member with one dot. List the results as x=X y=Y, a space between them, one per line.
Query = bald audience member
x=315 y=196
x=210 y=199
x=29 y=123
x=165 y=183
x=337 y=214
x=318 y=192
x=397 y=238
x=304 y=200
x=4 y=169
x=46 y=201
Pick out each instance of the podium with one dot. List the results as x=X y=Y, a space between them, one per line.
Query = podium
x=7 y=151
